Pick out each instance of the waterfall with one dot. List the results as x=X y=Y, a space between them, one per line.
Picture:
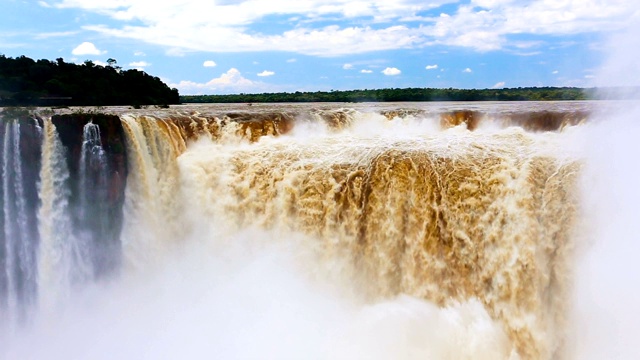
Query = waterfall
x=152 y=214
x=64 y=257
x=447 y=216
x=386 y=233
x=18 y=254
x=92 y=212
x=93 y=169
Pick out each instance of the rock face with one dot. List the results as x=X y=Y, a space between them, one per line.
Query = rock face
x=97 y=163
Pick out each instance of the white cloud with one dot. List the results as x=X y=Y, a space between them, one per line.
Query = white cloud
x=526 y=44
x=467 y=70
x=391 y=71
x=266 y=73
x=87 y=48
x=44 y=4
x=490 y=3
x=101 y=63
x=139 y=53
x=483 y=25
x=499 y=85
x=209 y=63
x=230 y=82
x=527 y=53
x=365 y=71
x=175 y=51
x=486 y=28
x=347 y=66
x=554 y=72
x=328 y=41
x=431 y=67
x=55 y=34
x=139 y=64
x=292 y=60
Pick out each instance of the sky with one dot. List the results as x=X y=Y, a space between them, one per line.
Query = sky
x=256 y=46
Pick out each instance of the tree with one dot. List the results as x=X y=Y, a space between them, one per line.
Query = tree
x=113 y=63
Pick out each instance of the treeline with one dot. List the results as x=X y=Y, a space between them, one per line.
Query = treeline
x=408 y=94
x=27 y=82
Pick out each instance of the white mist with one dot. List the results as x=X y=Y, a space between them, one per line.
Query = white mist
x=250 y=301
x=606 y=315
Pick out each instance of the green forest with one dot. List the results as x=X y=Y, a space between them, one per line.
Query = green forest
x=28 y=82
x=407 y=94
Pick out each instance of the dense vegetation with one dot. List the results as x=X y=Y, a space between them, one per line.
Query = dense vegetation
x=409 y=94
x=26 y=82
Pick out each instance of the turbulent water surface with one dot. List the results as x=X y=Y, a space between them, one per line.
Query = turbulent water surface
x=415 y=230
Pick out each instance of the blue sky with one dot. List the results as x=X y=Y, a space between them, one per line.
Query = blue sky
x=233 y=46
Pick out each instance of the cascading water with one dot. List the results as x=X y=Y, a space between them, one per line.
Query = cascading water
x=64 y=257
x=18 y=254
x=334 y=233
x=92 y=211
x=152 y=220
x=446 y=216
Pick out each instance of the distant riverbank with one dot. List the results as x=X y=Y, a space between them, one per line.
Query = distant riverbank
x=408 y=94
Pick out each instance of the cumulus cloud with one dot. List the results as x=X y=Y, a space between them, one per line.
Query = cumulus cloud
x=139 y=64
x=482 y=25
x=231 y=81
x=328 y=41
x=499 y=85
x=467 y=70
x=554 y=72
x=209 y=63
x=391 y=71
x=365 y=71
x=87 y=48
x=347 y=66
x=431 y=67
x=266 y=73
